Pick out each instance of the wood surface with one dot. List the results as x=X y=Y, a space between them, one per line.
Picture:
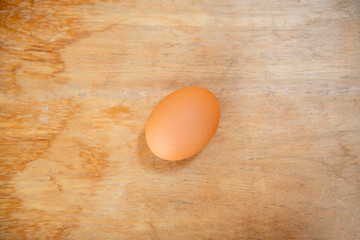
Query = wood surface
x=79 y=79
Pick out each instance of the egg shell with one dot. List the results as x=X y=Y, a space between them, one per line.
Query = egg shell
x=183 y=123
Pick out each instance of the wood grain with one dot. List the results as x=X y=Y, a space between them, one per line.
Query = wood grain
x=79 y=79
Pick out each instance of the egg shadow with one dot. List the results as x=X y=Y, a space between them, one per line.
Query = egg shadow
x=148 y=160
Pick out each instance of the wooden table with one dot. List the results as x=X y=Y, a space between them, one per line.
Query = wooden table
x=79 y=79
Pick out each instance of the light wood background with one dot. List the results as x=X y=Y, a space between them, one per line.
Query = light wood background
x=79 y=79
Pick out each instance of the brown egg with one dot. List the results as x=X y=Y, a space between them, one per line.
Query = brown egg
x=183 y=123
